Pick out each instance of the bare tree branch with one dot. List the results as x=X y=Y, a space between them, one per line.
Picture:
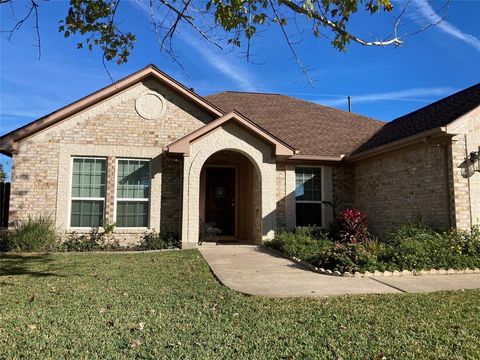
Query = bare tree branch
x=156 y=28
x=33 y=10
x=333 y=26
x=292 y=49
x=190 y=21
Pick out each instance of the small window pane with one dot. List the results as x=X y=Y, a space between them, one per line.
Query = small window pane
x=86 y=213
x=132 y=214
x=88 y=178
x=133 y=179
x=309 y=214
x=308 y=184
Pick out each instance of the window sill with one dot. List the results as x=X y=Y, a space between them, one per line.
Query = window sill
x=118 y=230
x=82 y=230
x=122 y=230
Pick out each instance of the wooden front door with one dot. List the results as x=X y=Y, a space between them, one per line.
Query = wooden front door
x=220 y=199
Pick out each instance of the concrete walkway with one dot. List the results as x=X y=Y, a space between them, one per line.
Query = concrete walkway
x=256 y=271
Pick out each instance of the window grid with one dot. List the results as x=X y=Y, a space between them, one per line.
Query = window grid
x=132 y=214
x=88 y=192
x=133 y=179
x=133 y=193
x=308 y=196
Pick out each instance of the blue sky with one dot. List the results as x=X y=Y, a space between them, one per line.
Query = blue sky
x=384 y=82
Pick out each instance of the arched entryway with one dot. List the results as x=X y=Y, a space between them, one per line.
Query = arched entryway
x=230 y=200
x=235 y=138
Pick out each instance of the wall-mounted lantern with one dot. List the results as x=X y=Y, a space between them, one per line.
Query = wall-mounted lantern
x=474 y=159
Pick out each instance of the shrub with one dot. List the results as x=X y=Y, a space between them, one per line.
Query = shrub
x=304 y=243
x=351 y=227
x=152 y=240
x=349 y=257
x=418 y=246
x=468 y=243
x=407 y=247
x=33 y=234
x=95 y=240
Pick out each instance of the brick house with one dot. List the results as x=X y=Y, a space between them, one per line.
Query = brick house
x=148 y=153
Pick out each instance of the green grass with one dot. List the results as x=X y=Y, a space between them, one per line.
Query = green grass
x=91 y=306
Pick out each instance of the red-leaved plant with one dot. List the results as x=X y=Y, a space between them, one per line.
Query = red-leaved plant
x=352 y=226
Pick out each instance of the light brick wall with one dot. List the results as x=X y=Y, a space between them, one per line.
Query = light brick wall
x=110 y=124
x=281 y=197
x=234 y=138
x=466 y=182
x=404 y=186
x=460 y=191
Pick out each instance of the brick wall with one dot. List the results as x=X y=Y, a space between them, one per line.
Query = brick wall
x=111 y=124
x=465 y=181
x=404 y=186
x=281 y=197
x=343 y=186
x=171 y=207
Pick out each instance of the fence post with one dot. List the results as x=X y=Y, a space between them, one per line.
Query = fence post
x=4 y=203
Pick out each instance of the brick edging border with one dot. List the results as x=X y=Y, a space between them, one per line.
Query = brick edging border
x=395 y=273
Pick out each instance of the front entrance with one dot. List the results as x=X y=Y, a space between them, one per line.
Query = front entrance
x=220 y=199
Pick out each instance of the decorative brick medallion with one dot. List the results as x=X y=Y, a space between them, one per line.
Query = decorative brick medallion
x=150 y=106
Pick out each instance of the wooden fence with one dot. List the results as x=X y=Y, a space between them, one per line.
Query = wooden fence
x=4 y=203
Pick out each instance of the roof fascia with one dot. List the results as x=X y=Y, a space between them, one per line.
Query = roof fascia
x=182 y=145
x=7 y=141
x=300 y=158
x=421 y=137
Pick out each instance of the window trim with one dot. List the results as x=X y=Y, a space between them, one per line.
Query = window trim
x=322 y=193
x=71 y=198
x=116 y=199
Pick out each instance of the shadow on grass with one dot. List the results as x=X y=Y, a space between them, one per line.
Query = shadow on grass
x=17 y=264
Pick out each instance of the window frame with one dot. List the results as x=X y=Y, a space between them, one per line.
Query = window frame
x=71 y=198
x=322 y=193
x=116 y=198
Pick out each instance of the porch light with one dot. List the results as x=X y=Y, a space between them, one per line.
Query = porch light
x=474 y=158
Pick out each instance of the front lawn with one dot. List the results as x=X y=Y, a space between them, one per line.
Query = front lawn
x=168 y=305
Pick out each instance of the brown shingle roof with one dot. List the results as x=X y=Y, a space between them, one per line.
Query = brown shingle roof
x=311 y=128
x=432 y=116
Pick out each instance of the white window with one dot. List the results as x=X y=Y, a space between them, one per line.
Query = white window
x=88 y=192
x=308 y=196
x=133 y=193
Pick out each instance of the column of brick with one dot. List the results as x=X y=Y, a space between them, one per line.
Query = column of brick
x=110 y=191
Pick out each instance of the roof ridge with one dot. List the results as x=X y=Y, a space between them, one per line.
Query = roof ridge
x=301 y=100
x=249 y=92
x=349 y=113
x=435 y=102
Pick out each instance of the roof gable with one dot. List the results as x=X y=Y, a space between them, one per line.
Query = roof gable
x=7 y=141
x=182 y=145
